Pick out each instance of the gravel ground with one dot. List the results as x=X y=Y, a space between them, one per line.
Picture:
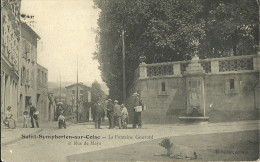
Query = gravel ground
x=236 y=146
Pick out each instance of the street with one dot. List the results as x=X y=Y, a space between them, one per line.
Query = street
x=52 y=144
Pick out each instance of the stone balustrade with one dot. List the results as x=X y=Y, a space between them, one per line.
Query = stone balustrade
x=235 y=64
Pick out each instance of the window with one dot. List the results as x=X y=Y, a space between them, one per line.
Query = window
x=73 y=92
x=231 y=84
x=81 y=91
x=163 y=86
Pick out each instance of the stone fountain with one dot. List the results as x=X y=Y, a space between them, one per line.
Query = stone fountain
x=194 y=76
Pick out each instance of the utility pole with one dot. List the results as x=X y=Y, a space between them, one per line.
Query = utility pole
x=77 y=92
x=123 y=50
x=60 y=87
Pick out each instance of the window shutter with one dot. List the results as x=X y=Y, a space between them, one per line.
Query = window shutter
x=32 y=53
x=29 y=51
x=27 y=81
x=24 y=49
x=32 y=78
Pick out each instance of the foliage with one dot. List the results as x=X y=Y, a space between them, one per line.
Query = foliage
x=170 y=30
x=97 y=94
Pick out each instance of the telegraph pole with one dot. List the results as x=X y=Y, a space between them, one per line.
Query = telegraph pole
x=60 y=87
x=123 y=51
x=77 y=92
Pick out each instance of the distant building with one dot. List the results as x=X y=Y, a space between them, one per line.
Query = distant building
x=84 y=95
x=10 y=38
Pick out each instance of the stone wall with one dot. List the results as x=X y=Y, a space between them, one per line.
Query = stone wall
x=230 y=92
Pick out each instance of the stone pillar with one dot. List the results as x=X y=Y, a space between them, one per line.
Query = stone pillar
x=176 y=69
x=214 y=66
x=143 y=70
x=195 y=87
x=256 y=62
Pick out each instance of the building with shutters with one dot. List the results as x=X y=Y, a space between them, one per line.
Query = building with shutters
x=42 y=101
x=33 y=77
x=10 y=39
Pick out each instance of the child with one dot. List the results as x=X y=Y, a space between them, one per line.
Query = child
x=25 y=118
x=124 y=116
x=61 y=120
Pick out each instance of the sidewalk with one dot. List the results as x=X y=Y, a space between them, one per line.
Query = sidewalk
x=9 y=136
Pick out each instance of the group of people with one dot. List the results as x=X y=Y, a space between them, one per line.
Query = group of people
x=9 y=121
x=118 y=114
x=33 y=114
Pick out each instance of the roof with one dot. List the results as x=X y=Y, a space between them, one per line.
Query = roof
x=30 y=29
x=80 y=84
x=42 y=67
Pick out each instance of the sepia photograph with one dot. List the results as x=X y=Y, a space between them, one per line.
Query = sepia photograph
x=130 y=80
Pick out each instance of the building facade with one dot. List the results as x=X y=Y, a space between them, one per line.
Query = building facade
x=42 y=100
x=222 y=89
x=10 y=39
x=33 y=77
x=84 y=96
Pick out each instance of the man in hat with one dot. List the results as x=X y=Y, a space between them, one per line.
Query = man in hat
x=34 y=115
x=117 y=113
x=110 y=113
x=99 y=111
x=137 y=112
x=86 y=107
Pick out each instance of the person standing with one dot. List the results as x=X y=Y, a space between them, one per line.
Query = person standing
x=138 y=108
x=117 y=113
x=61 y=120
x=98 y=114
x=124 y=116
x=8 y=118
x=110 y=113
x=25 y=119
x=34 y=116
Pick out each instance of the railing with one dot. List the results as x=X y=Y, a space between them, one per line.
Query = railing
x=162 y=70
x=210 y=66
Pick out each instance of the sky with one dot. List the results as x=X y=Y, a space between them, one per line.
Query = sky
x=66 y=31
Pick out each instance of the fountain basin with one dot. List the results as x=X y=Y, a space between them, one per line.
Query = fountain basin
x=193 y=119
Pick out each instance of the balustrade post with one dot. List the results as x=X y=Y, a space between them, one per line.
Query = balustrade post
x=256 y=60
x=214 y=66
x=176 y=69
x=143 y=70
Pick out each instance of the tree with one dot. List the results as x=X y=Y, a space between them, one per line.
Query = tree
x=170 y=30
x=97 y=94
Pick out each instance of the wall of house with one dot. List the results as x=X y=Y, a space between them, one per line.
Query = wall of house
x=42 y=101
x=10 y=37
x=27 y=71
